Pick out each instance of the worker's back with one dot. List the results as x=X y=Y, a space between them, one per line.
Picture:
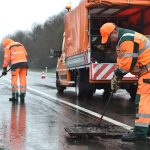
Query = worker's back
x=18 y=53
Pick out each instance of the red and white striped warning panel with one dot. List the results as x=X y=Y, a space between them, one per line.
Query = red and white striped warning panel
x=105 y=71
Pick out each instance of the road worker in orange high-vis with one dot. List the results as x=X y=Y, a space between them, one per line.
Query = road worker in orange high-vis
x=133 y=50
x=15 y=53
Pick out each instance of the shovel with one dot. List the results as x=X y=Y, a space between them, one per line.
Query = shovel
x=105 y=109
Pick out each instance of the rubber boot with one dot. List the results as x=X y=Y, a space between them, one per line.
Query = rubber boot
x=14 y=97
x=131 y=137
x=22 y=97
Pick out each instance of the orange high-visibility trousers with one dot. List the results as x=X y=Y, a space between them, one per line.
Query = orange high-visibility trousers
x=21 y=74
x=143 y=102
x=143 y=113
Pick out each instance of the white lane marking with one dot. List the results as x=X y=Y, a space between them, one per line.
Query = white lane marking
x=125 y=126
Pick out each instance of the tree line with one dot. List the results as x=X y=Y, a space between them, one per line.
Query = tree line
x=40 y=40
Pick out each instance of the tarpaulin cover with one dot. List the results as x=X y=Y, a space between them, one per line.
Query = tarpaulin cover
x=76 y=21
x=135 y=19
x=139 y=17
x=76 y=30
x=91 y=3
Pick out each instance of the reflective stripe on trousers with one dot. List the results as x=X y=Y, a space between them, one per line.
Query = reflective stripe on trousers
x=21 y=73
x=142 y=103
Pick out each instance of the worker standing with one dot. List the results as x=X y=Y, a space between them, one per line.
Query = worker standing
x=15 y=53
x=133 y=50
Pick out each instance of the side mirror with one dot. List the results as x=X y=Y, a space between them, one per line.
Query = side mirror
x=54 y=53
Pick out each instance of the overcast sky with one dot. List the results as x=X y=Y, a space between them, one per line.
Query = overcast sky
x=22 y=14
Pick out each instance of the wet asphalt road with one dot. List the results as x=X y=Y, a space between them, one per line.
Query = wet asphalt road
x=39 y=123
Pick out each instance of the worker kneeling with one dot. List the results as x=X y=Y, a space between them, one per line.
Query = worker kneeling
x=133 y=50
x=15 y=53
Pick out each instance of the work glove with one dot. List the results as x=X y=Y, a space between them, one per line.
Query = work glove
x=4 y=71
x=115 y=83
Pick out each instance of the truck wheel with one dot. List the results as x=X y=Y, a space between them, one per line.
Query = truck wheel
x=60 y=88
x=79 y=92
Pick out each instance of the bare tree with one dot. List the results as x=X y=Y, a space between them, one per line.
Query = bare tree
x=39 y=41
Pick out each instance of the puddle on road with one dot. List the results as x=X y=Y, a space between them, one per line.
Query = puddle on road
x=43 y=129
x=13 y=133
x=5 y=91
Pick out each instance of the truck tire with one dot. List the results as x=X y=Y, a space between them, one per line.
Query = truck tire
x=59 y=87
x=79 y=92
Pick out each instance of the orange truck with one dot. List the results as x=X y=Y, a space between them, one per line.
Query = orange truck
x=86 y=64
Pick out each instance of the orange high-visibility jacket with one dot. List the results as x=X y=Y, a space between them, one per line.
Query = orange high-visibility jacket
x=16 y=54
x=133 y=54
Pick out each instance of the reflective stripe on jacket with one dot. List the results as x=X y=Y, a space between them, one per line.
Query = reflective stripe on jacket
x=134 y=53
x=15 y=53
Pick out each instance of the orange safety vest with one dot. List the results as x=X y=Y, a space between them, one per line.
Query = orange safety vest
x=16 y=54
x=133 y=54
